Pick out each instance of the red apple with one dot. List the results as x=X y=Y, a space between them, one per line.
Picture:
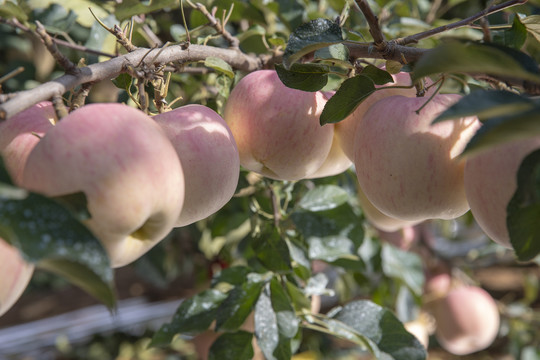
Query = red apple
x=490 y=183
x=277 y=128
x=407 y=167
x=20 y=133
x=209 y=156
x=127 y=167
x=467 y=320
x=15 y=274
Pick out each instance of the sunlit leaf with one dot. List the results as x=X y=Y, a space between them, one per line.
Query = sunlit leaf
x=404 y=265
x=323 y=198
x=219 y=65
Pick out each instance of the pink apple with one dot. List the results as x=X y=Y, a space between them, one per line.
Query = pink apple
x=409 y=168
x=127 y=167
x=209 y=157
x=277 y=128
x=15 y=274
x=346 y=129
x=490 y=183
x=467 y=320
x=20 y=133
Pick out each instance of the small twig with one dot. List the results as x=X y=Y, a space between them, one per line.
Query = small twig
x=485 y=29
x=217 y=25
x=117 y=32
x=425 y=34
x=59 y=107
x=11 y=74
x=60 y=58
x=373 y=21
x=80 y=96
x=432 y=14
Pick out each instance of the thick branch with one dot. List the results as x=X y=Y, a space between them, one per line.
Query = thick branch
x=111 y=68
x=491 y=10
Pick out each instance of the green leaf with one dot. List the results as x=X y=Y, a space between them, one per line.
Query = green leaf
x=272 y=250
x=9 y=10
x=486 y=104
x=405 y=266
x=306 y=77
x=383 y=328
x=337 y=52
x=219 y=65
x=377 y=75
x=532 y=24
x=239 y=303
x=316 y=34
x=49 y=235
x=324 y=197
x=345 y=331
x=235 y=275
x=232 y=346
x=503 y=129
x=524 y=209
x=350 y=94
x=456 y=57
x=128 y=8
x=514 y=37
x=287 y=321
x=192 y=316
x=331 y=248
x=300 y=301
x=123 y=81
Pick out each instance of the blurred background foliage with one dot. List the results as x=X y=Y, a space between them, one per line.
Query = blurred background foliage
x=358 y=264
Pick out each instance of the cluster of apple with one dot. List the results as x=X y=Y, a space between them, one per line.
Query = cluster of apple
x=142 y=176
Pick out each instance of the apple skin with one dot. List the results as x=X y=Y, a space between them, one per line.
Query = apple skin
x=20 y=133
x=15 y=274
x=209 y=157
x=346 y=129
x=467 y=320
x=403 y=238
x=490 y=183
x=277 y=128
x=407 y=167
x=127 y=168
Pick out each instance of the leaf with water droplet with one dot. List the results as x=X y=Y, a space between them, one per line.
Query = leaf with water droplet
x=50 y=236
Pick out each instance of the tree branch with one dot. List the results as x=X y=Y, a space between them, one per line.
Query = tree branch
x=491 y=10
x=373 y=22
x=111 y=68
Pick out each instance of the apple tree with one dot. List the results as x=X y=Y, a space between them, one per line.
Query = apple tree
x=341 y=176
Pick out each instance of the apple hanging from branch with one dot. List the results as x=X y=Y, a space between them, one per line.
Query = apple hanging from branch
x=15 y=274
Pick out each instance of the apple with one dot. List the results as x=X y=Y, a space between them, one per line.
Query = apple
x=126 y=166
x=15 y=274
x=277 y=128
x=407 y=167
x=209 y=157
x=467 y=320
x=20 y=133
x=346 y=129
x=490 y=183
x=403 y=238
x=379 y=220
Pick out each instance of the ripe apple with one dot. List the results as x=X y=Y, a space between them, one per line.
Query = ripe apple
x=209 y=156
x=20 y=133
x=490 y=183
x=377 y=218
x=124 y=163
x=277 y=128
x=15 y=274
x=346 y=129
x=407 y=167
x=402 y=238
x=467 y=320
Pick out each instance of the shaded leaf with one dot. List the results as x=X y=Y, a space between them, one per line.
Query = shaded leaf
x=193 y=315
x=49 y=235
x=523 y=210
x=235 y=275
x=306 y=77
x=128 y=8
x=456 y=57
x=404 y=265
x=316 y=34
x=514 y=37
x=9 y=10
x=381 y=327
x=239 y=303
x=350 y=94
x=324 y=197
x=485 y=104
x=123 y=81
x=337 y=53
x=281 y=303
x=232 y=346
x=272 y=251
x=377 y=75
